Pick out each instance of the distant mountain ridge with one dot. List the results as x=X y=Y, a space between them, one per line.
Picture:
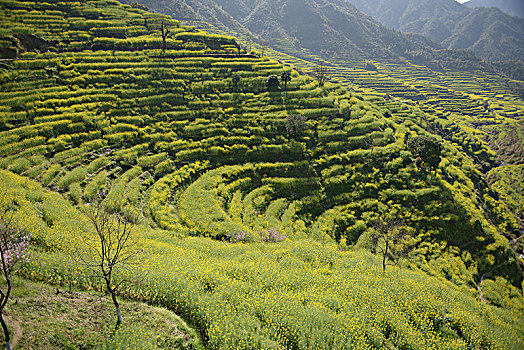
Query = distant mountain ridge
x=488 y=32
x=511 y=7
x=333 y=29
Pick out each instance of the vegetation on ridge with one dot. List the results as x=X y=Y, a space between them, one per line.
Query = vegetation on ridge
x=197 y=138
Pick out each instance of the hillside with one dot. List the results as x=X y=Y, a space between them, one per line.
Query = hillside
x=166 y=131
x=482 y=99
x=488 y=32
x=294 y=294
x=198 y=138
x=511 y=7
x=51 y=318
x=334 y=30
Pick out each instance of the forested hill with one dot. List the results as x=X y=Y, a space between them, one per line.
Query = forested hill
x=511 y=7
x=488 y=32
x=332 y=29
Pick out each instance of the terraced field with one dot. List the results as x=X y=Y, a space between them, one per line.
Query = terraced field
x=476 y=107
x=195 y=137
x=202 y=145
x=290 y=295
x=483 y=94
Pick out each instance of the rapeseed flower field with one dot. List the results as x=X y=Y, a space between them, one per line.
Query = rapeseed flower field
x=291 y=295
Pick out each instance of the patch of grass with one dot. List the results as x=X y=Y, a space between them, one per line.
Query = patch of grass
x=41 y=316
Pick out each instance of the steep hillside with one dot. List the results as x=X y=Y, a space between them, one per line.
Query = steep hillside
x=488 y=32
x=439 y=14
x=331 y=29
x=204 y=10
x=511 y=7
x=452 y=84
x=199 y=143
x=294 y=294
x=196 y=137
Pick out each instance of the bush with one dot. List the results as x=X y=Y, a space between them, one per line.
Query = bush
x=426 y=150
x=239 y=237
x=272 y=235
x=273 y=83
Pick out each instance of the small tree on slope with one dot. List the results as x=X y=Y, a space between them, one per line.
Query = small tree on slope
x=14 y=249
x=391 y=239
x=427 y=149
x=320 y=73
x=286 y=78
x=109 y=249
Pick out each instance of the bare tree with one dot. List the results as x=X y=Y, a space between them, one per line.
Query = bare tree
x=14 y=244
x=286 y=78
x=264 y=44
x=296 y=124
x=165 y=32
x=391 y=239
x=109 y=248
x=320 y=73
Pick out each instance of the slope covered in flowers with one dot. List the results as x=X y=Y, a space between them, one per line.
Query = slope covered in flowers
x=294 y=295
x=186 y=134
x=189 y=136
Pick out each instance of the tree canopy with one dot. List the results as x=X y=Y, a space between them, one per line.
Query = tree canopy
x=426 y=150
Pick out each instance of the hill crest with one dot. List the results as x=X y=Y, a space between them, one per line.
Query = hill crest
x=490 y=33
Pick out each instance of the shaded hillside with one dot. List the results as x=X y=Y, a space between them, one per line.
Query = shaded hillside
x=511 y=7
x=281 y=294
x=203 y=10
x=488 y=32
x=331 y=29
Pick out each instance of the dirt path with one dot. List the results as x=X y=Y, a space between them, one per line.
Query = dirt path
x=17 y=330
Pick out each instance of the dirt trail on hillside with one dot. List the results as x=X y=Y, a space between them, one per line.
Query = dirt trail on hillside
x=17 y=330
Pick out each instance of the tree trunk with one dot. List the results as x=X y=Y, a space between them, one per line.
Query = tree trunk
x=385 y=257
x=3 y=303
x=164 y=36
x=117 y=306
x=6 y=333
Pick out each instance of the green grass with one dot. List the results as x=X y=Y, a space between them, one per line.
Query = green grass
x=47 y=317
x=170 y=139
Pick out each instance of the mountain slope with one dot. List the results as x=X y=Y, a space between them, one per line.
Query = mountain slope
x=294 y=294
x=332 y=29
x=323 y=27
x=489 y=33
x=203 y=10
x=511 y=7
x=193 y=137
x=169 y=130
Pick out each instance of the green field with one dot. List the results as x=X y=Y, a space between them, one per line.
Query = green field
x=189 y=137
x=296 y=294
